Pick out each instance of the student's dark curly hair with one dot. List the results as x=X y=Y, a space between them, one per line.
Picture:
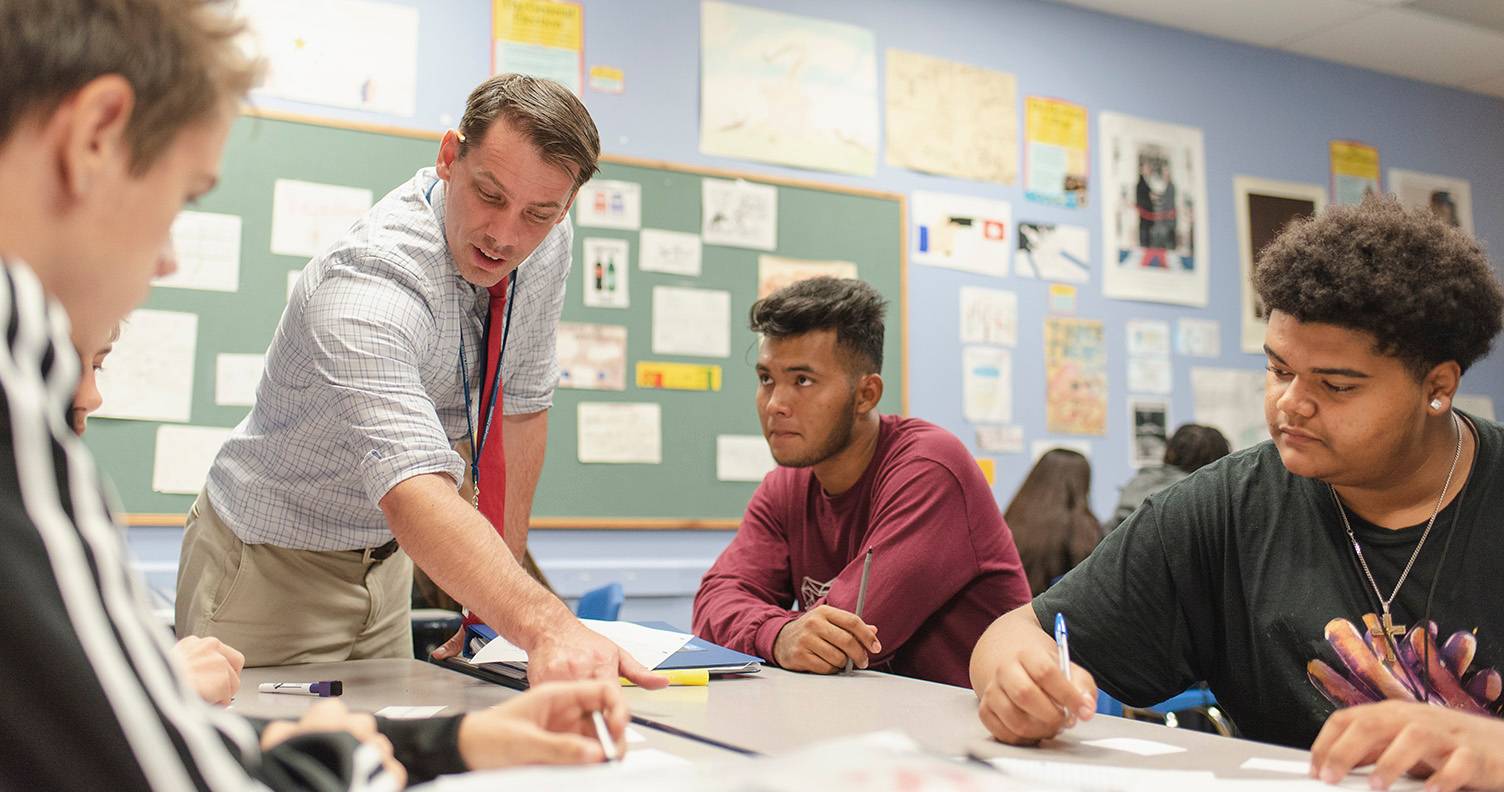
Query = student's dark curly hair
x=1423 y=289
x=850 y=307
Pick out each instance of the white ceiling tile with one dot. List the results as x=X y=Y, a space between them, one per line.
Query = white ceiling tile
x=1410 y=44
x=1266 y=23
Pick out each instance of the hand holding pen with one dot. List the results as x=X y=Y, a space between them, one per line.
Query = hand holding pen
x=1035 y=692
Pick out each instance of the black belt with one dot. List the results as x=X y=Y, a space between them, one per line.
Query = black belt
x=385 y=551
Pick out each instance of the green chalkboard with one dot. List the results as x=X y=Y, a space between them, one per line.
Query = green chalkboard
x=814 y=222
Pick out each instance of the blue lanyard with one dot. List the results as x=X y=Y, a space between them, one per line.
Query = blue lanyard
x=485 y=425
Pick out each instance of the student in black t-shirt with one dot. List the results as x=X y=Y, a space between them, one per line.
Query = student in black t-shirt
x=1267 y=573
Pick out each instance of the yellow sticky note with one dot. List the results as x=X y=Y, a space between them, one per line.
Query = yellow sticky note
x=697 y=677
x=989 y=470
x=662 y=375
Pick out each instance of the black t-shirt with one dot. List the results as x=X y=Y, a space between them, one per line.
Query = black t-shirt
x=1233 y=575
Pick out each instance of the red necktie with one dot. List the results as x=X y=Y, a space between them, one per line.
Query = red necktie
x=493 y=458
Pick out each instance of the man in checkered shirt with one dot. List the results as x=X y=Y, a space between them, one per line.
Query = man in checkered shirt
x=346 y=472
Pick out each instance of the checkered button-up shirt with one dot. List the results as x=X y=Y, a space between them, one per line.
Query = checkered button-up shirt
x=362 y=388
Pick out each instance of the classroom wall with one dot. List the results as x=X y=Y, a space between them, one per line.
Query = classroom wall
x=1264 y=113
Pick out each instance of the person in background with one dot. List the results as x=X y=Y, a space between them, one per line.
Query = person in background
x=1051 y=518
x=851 y=481
x=1191 y=447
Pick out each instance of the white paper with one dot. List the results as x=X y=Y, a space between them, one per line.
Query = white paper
x=634 y=736
x=606 y=268
x=987 y=384
x=673 y=252
x=1447 y=197
x=620 y=433
x=742 y=458
x=1476 y=405
x=292 y=282
x=1149 y=423
x=1291 y=766
x=1150 y=375
x=183 y=456
x=1199 y=337
x=1054 y=252
x=1001 y=439
x=646 y=645
x=345 y=53
x=1098 y=778
x=1148 y=338
x=236 y=377
x=207 y=249
x=1038 y=448
x=308 y=217
x=776 y=272
x=408 y=713
x=691 y=322
x=651 y=759
x=961 y=232
x=592 y=356
x=149 y=376
x=989 y=316
x=1135 y=746
x=739 y=214
x=1232 y=401
x=609 y=204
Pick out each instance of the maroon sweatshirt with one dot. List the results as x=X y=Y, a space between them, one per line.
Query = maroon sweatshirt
x=943 y=567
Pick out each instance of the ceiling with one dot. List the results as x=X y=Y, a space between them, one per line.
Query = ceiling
x=1458 y=43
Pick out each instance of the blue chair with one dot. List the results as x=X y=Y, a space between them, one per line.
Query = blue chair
x=1197 y=698
x=602 y=604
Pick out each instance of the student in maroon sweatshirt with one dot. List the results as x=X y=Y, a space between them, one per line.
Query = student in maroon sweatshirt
x=849 y=480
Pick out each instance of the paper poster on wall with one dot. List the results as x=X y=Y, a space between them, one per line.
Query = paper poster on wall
x=1150 y=421
x=1056 y=165
x=1355 y=171
x=1154 y=211
x=665 y=375
x=1150 y=375
x=543 y=38
x=308 y=217
x=1198 y=337
x=787 y=89
x=236 y=377
x=989 y=316
x=1232 y=401
x=1075 y=363
x=1054 y=252
x=606 y=269
x=987 y=384
x=739 y=213
x=620 y=433
x=776 y=272
x=1062 y=298
x=321 y=51
x=1476 y=405
x=183 y=456
x=603 y=203
x=607 y=79
x=149 y=376
x=671 y=252
x=950 y=118
x=1148 y=338
x=989 y=470
x=592 y=356
x=206 y=247
x=691 y=322
x=961 y=232
x=1447 y=197
x=742 y=458
x=1264 y=208
x=1001 y=439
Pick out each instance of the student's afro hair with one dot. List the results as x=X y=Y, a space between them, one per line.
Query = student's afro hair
x=1423 y=289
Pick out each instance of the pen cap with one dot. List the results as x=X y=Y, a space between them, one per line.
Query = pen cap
x=333 y=688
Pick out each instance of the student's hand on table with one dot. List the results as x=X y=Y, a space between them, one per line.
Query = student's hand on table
x=1028 y=698
x=213 y=667
x=331 y=716
x=1451 y=749
x=549 y=724
x=821 y=640
x=573 y=651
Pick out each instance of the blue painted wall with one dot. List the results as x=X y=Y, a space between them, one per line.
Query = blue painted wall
x=1264 y=113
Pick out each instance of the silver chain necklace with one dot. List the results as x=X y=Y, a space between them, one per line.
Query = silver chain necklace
x=1389 y=631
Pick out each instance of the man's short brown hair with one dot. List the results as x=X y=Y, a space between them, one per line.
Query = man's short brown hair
x=179 y=56
x=544 y=111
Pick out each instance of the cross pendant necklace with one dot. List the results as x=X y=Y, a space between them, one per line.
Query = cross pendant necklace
x=1386 y=633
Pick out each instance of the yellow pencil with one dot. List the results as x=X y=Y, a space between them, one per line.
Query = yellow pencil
x=684 y=676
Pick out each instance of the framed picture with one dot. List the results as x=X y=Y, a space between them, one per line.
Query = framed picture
x=1264 y=208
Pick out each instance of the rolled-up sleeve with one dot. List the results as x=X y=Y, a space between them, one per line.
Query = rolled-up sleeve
x=530 y=369
x=367 y=341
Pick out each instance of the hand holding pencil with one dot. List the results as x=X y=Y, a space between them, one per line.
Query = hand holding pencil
x=827 y=640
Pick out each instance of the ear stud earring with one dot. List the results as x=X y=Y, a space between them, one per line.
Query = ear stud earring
x=1436 y=404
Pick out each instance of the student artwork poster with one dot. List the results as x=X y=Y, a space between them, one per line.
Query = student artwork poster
x=1075 y=361
x=1155 y=244
x=1449 y=198
x=961 y=232
x=1355 y=171
x=1056 y=160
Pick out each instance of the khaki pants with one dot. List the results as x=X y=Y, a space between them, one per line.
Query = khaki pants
x=281 y=606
